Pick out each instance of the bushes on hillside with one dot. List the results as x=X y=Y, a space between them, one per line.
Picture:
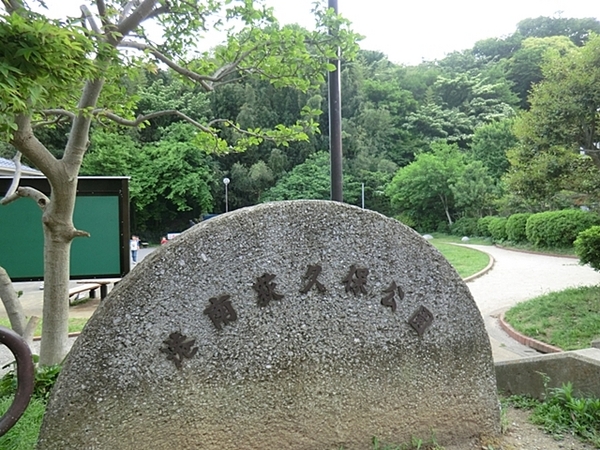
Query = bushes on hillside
x=516 y=227
x=558 y=228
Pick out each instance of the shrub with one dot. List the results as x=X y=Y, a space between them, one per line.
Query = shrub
x=483 y=226
x=515 y=227
x=558 y=228
x=407 y=220
x=587 y=247
x=44 y=379
x=442 y=227
x=497 y=228
x=465 y=226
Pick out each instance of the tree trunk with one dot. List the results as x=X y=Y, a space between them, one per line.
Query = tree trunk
x=14 y=309
x=445 y=205
x=58 y=235
x=11 y=302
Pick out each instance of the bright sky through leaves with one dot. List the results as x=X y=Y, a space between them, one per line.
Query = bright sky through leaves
x=412 y=31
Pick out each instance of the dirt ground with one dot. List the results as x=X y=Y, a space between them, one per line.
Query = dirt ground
x=523 y=435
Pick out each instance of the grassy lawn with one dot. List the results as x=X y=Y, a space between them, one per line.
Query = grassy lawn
x=466 y=261
x=75 y=324
x=568 y=319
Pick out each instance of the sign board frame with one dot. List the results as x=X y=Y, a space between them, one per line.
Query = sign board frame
x=102 y=209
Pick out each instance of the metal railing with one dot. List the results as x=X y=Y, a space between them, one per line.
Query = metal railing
x=20 y=350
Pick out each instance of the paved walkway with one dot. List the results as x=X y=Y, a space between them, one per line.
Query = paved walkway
x=515 y=277
x=518 y=276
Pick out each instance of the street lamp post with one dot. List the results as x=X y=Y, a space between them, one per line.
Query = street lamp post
x=226 y=182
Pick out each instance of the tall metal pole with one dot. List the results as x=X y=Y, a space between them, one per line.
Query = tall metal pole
x=362 y=195
x=226 y=183
x=335 y=125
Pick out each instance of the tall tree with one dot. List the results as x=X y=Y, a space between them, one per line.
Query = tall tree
x=438 y=185
x=564 y=106
x=524 y=68
x=491 y=142
x=58 y=71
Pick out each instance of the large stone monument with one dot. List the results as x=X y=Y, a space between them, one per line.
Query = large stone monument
x=291 y=325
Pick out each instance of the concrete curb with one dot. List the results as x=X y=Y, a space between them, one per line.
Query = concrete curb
x=481 y=272
x=526 y=340
x=73 y=334
x=534 y=252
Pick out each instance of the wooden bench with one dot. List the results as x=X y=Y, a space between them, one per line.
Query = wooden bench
x=87 y=287
x=103 y=283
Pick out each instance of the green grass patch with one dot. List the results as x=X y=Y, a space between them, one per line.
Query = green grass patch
x=23 y=436
x=76 y=324
x=568 y=319
x=466 y=261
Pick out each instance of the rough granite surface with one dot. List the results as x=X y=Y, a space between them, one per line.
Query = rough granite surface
x=316 y=370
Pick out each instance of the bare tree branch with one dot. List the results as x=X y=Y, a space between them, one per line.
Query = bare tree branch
x=30 y=329
x=127 y=9
x=133 y=20
x=80 y=233
x=59 y=112
x=87 y=14
x=30 y=192
x=140 y=119
x=12 y=5
x=55 y=121
x=16 y=177
x=25 y=141
x=206 y=81
x=203 y=80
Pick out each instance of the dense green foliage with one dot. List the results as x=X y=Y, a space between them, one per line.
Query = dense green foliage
x=558 y=228
x=465 y=226
x=587 y=247
x=493 y=130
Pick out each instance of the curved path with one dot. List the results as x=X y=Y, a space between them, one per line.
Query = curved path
x=518 y=276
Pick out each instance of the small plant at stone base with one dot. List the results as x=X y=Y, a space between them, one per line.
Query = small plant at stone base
x=563 y=413
x=44 y=379
x=415 y=444
x=520 y=402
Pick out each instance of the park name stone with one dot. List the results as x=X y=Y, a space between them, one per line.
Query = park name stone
x=288 y=325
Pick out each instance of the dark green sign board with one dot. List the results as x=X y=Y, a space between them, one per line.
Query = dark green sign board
x=101 y=208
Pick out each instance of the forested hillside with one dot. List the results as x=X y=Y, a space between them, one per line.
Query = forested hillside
x=507 y=126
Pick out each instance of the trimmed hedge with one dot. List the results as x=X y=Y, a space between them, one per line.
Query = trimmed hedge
x=483 y=226
x=587 y=247
x=497 y=228
x=558 y=228
x=465 y=226
x=516 y=227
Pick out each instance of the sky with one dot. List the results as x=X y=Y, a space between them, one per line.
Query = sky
x=409 y=32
